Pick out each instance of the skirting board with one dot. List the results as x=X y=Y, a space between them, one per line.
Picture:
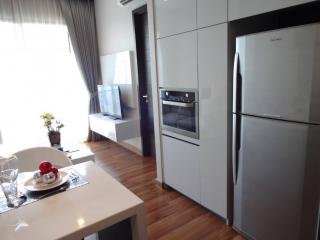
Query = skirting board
x=131 y=148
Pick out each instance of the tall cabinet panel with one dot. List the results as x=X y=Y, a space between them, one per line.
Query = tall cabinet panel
x=175 y=16
x=211 y=12
x=245 y=8
x=212 y=62
x=177 y=61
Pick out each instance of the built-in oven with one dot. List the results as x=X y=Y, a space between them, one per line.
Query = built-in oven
x=180 y=112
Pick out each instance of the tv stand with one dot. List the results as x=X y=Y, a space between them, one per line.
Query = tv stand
x=114 y=129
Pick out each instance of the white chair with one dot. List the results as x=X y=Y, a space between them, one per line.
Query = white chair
x=29 y=159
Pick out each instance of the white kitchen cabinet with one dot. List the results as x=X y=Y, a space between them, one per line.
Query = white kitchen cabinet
x=175 y=16
x=212 y=54
x=181 y=166
x=177 y=61
x=245 y=8
x=211 y=12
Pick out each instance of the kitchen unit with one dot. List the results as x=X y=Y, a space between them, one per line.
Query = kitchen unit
x=244 y=8
x=195 y=161
x=189 y=58
x=192 y=53
x=207 y=140
x=276 y=134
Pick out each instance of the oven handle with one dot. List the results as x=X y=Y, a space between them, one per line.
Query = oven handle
x=178 y=104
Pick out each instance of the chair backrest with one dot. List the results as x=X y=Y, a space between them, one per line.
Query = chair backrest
x=29 y=159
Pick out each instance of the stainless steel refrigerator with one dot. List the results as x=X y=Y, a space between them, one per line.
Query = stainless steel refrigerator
x=276 y=134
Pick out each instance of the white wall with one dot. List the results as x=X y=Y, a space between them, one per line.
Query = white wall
x=115 y=25
x=116 y=33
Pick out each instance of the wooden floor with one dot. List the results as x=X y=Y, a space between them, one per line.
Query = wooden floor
x=170 y=215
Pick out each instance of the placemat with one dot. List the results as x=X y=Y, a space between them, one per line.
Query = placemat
x=75 y=180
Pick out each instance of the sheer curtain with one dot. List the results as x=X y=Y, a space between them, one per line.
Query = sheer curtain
x=38 y=73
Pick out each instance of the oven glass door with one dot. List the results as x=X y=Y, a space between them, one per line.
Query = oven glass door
x=179 y=116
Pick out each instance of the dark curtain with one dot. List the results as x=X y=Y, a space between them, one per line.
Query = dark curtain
x=79 y=16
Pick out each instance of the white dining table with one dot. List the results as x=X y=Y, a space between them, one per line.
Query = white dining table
x=78 y=212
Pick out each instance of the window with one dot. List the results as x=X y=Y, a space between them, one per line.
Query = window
x=39 y=73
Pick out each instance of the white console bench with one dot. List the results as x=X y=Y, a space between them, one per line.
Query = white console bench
x=116 y=130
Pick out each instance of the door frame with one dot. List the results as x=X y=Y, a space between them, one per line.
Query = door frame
x=155 y=90
x=141 y=72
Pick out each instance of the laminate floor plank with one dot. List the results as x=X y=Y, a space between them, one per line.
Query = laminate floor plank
x=170 y=215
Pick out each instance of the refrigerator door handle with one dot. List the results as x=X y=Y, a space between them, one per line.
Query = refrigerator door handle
x=236 y=139
x=271 y=115
x=234 y=149
x=235 y=82
x=236 y=127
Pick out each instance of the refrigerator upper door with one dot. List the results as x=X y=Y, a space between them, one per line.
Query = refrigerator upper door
x=280 y=73
x=277 y=187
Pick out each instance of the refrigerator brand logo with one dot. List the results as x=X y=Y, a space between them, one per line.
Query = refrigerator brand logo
x=275 y=39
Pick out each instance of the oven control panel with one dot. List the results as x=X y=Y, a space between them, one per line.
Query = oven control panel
x=178 y=96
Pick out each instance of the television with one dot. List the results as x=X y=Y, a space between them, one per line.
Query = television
x=110 y=101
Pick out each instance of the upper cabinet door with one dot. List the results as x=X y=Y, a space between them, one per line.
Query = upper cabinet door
x=245 y=8
x=175 y=16
x=211 y=12
x=177 y=61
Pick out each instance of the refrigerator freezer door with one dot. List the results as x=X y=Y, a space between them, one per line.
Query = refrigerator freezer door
x=280 y=73
x=269 y=200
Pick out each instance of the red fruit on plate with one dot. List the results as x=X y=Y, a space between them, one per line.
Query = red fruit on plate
x=55 y=171
x=45 y=167
x=45 y=172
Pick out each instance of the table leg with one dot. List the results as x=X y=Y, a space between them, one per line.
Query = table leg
x=138 y=225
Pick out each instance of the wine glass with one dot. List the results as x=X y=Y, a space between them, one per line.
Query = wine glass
x=8 y=179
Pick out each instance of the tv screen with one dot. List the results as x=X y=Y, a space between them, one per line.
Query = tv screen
x=110 y=100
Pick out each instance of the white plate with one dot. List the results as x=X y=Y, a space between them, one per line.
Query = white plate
x=29 y=184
